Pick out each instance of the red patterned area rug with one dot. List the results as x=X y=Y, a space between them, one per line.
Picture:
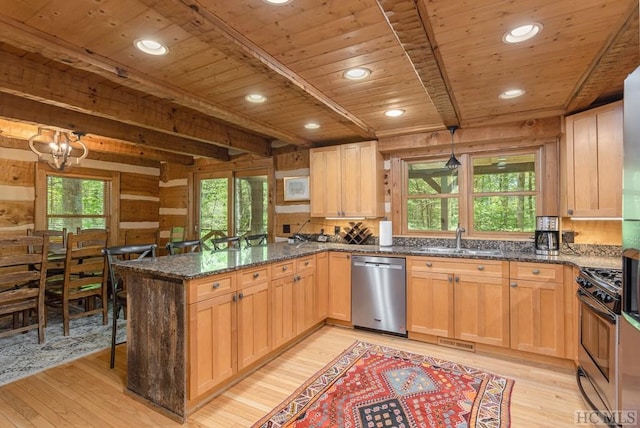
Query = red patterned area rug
x=372 y=386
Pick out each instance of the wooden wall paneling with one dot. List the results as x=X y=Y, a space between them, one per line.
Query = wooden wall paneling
x=550 y=179
x=139 y=184
x=603 y=232
x=174 y=197
x=17 y=173
x=396 y=184
x=16 y=213
x=134 y=210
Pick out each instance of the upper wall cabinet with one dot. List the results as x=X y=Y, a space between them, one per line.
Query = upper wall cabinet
x=594 y=163
x=347 y=181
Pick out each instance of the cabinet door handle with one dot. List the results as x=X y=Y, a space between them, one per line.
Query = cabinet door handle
x=535 y=271
x=450 y=278
x=235 y=297
x=570 y=211
x=348 y=256
x=429 y=264
x=240 y=296
x=256 y=274
x=514 y=284
x=215 y=285
x=480 y=267
x=457 y=279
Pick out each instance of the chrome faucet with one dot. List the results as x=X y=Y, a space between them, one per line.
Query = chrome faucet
x=459 y=231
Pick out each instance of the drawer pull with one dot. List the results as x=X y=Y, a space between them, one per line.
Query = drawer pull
x=285 y=267
x=480 y=267
x=535 y=271
x=514 y=284
x=256 y=274
x=216 y=285
x=306 y=263
x=429 y=264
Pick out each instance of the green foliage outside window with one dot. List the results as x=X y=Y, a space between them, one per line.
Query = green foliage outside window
x=76 y=203
x=432 y=203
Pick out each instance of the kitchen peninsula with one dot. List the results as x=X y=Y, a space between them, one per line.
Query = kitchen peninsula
x=199 y=322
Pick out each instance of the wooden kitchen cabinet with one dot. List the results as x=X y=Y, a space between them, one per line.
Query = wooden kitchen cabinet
x=457 y=298
x=537 y=308
x=305 y=294
x=593 y=162
x=322 y=286
x=253 y=315
x=339 y=286
x=347 y=181
x=429 y=299
x=283 y=302
x=212 y=326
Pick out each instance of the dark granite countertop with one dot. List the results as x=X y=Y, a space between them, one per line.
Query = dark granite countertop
x=197 y=265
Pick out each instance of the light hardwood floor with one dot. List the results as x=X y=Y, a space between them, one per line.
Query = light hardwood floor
x=86 y=393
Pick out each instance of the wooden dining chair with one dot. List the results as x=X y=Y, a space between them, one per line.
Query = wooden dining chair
x=226 y=242
x=103 y=233
x=180 y=247
x=84 y=279
x=255 y=240
x=57 y=238
x=117 y=285
x=23 y=272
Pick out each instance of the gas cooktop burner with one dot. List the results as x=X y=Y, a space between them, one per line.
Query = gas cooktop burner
x=611 y=278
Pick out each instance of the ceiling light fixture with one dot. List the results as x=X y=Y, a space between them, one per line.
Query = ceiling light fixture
x=278 y=2
x=151 y=47
x=511 y=93
x=61 y=145
x=312 y=125
x=522 y=33
x=453 y=162
x=256 y=98
x=394 y=112
x=357 y=73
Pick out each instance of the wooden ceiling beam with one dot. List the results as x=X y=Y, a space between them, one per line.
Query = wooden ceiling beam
x=95 y=144
x=14 y=107
x=201 y=22
x=79 y=91
x=29 y=39
x=13 y=143
x=411 y=26
x=541 y=129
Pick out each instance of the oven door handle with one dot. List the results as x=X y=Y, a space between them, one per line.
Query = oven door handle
x=583 y=297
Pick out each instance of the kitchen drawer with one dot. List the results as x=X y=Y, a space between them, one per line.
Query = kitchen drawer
x=205 y=288
x=282 y=269
x=536 y=271
x=249 y=277
x=445 y=265
x=306 y=265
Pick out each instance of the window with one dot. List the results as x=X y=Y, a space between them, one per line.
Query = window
x=504 y=193
x=233 y=203
x=433 y=199
x=76 y=203
x=488 y=195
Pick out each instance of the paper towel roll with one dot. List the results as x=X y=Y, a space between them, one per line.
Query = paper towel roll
x=386 y=238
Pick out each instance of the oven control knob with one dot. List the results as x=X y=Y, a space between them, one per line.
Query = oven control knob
x=608 y=299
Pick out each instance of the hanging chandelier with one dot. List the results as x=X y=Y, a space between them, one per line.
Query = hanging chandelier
x=453 y=162
x=62 y=147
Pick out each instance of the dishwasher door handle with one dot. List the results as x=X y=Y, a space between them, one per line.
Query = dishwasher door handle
x=377 y=265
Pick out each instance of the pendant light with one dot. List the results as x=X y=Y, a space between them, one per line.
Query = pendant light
x=453 y=162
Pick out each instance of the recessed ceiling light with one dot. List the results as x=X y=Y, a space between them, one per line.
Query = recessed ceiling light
x=312 y=125
x=511 y=93
x=522 y=33
x=394 y=112
x=255 y=98
x=277 y=1
x=356 y=73
x=151 y=47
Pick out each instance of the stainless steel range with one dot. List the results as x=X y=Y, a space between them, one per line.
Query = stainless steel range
x=599 y=296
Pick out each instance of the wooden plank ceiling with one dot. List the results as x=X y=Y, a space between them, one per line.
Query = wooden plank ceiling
x=72 y=64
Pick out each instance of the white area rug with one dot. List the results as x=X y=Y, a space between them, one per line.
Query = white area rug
x=21 y=355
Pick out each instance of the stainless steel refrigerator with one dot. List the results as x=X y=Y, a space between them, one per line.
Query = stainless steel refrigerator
x=629 y=351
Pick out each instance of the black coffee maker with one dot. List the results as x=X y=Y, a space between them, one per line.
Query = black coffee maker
x=547 y=235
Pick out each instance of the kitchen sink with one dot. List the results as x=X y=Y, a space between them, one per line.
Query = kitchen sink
x=462 y=251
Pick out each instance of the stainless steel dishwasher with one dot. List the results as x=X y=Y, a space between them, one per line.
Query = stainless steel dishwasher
x=379 y=294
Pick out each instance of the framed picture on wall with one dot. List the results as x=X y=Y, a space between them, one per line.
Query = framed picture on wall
x=296 y=188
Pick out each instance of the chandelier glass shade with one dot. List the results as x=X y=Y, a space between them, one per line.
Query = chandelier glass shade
x=64 y=148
